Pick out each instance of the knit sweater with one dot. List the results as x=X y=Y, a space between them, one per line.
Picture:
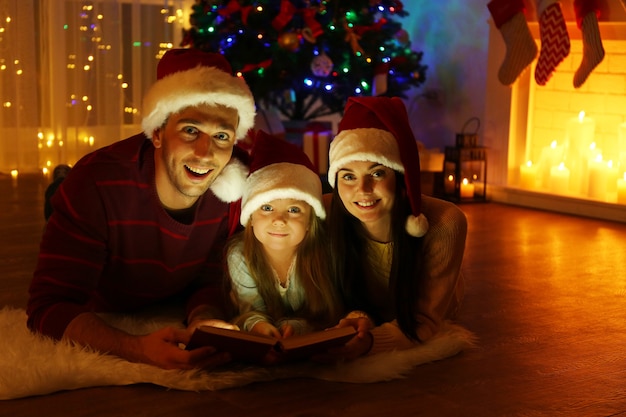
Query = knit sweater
x=442 y=289
x=110 y=246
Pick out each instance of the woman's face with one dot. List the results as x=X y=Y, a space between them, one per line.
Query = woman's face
x=367 y=190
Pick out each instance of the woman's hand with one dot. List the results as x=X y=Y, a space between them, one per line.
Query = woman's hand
x=286 y=330
x=356 y=347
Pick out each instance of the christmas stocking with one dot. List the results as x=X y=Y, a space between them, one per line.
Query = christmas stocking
x=587 y=13
x=554 y=39
x=521 y=50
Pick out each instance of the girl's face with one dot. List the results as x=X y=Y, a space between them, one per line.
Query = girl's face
x=281 y=224
x=367 y=190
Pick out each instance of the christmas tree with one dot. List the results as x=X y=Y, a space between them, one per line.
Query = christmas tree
x=306 y=57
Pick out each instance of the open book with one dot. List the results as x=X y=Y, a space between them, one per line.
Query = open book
x=252 y=347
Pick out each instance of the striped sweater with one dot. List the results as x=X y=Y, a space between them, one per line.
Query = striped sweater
x=111 y=247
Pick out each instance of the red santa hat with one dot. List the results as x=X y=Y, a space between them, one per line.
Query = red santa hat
x=189 y=77
x=377 y=129
x=280 y=170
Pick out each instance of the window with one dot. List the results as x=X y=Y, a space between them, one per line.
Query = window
x=73 y=76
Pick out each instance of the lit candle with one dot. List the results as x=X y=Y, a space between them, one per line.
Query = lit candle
x=559 y=179
x=14 y=177
x=578 y=139
x=580 y=131
x=612 y=176
x=598 y=178
x=449 y=184
x=467 y=189
x=621 y=190
x=550 y=157
x=528 y=175
x=622 y=145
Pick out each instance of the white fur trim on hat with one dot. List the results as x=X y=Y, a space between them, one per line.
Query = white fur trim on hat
x=281 y=181
x=229 y=185
x=366 y=144
x=199 y=85
x=416 y=226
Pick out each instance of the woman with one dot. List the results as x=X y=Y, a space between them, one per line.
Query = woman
x=398 y=272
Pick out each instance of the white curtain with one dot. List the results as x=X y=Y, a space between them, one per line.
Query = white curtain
x=73 y=73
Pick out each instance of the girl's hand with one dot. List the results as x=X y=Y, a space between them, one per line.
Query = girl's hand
x=266 y=329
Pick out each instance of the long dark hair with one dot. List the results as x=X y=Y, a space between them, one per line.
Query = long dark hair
x=348 y=242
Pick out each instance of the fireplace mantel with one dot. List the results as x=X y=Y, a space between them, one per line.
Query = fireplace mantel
x=517 y=117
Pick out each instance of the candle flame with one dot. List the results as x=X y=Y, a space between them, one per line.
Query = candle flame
x=529 y=163
x=561 y=166
x=581 y=116
x=553 y=144
x=465 y=181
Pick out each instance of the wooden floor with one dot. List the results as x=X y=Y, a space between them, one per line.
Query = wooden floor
x=546 y=295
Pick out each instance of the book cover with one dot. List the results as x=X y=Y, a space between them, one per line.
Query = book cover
x=252 y=347
x=307 y=345
x=243 y=346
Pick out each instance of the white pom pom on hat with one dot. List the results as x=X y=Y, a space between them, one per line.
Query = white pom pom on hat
x=189 y=77
x=279 y=170
x=377 y=129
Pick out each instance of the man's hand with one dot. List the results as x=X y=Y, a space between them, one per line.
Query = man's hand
x=161 y=348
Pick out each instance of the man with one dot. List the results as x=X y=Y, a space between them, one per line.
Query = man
x=142 y=223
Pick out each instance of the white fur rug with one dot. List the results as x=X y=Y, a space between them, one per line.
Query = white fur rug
x=31 y=364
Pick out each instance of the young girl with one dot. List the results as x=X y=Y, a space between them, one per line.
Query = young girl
x=398 y=272
x=278 y=265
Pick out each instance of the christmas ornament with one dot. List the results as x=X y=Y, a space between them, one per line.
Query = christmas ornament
x=402 y=37
x=307 y=34
x=287 y=11
x=321 y=65
x=353 y=39
x=289 y=41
